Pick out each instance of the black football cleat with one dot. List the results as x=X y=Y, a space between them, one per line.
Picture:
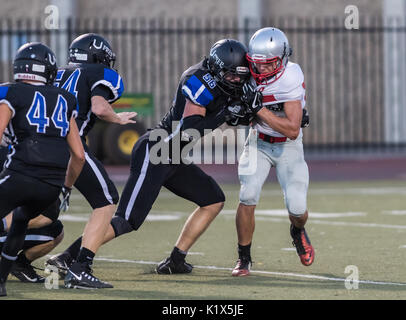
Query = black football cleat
x=60 y=261
x=25 y=273
x=80 y=276
x=303 y=246
x=242 y=268
x=168 y=266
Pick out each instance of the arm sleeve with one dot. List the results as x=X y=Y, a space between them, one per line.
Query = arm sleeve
x=102 y=91
x=201 y=123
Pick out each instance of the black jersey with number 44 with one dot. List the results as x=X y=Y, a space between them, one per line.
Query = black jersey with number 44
x=38 y=128
x=85 y=80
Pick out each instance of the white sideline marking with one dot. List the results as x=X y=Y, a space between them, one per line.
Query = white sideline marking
x=176 y=215
x=73 y=218
x=286 y=274
x=335 y=191
x=284 y=213
x=190 y=253
x=161 y=217
x=395 y=212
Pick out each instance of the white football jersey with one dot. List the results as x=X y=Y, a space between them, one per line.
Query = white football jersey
x=289 y=87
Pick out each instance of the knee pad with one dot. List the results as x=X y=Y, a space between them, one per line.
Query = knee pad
x=249 y=196
x=52 y=212
x=120 y=226
x=296 y=206
x=55 y=228
x=295 y=199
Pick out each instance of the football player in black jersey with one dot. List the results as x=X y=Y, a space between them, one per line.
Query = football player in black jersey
x=46 y=151
x=204 y=93
x=91 y=78
x=44 y=233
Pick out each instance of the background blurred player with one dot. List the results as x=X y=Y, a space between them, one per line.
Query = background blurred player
x=39 y=118
x=91 y=78
x=44 y=232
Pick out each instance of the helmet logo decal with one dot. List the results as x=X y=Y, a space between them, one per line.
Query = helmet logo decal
x=80 y=56
x=51 y=59
x=219 y=62
x=95 y=44
x=38 y=68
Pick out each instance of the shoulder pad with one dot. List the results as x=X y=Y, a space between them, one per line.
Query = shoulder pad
x=3 y=91
x=292 y=78
x=112 y=80
x=198 y=89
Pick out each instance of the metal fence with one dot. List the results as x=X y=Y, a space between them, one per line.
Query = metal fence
x=347 y=72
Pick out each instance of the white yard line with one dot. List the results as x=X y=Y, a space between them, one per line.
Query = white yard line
x=262 y=215
x=285 y=274
x=395 y=212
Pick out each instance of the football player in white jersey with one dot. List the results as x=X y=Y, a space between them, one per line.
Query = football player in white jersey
x=278 y=102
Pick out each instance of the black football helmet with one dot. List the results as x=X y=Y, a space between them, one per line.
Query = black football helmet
x=35 y=61
x=228 y=57
x=91 y=48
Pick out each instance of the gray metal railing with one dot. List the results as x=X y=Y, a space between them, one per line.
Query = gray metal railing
x=346 y=71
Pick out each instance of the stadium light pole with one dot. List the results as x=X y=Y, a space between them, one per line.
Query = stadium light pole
x=60 y=40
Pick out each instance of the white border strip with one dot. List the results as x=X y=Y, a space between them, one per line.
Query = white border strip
x=100 y=178
x=138 y=184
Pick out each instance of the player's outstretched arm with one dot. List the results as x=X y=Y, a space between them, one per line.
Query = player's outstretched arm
x=103 y=110
x=77 y=154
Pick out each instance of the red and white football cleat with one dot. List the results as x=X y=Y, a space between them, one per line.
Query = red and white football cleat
x=242 y=268
x=303 y=246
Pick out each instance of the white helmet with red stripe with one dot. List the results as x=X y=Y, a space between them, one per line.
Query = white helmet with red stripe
x=268 y=46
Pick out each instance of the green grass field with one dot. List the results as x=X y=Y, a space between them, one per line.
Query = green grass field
x=358 y=223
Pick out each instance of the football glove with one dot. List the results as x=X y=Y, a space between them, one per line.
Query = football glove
x=65 y=194
x=252 y=98
x=6 y=138
x=234 y=113
x=305 y=119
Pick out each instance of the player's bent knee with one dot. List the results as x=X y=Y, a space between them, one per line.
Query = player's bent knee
x=249 y=198
x=59 y=238
x=297 y=209
x=56 y=229
x=215 y=207
x=120 y=226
